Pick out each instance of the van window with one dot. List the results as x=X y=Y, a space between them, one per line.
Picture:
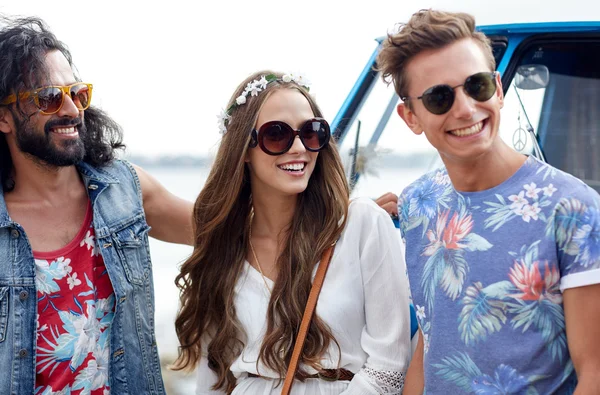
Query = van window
x=555 y=91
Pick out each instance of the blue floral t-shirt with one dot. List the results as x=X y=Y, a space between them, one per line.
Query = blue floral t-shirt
x=487 y=270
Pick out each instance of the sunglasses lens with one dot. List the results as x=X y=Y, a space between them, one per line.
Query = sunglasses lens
x=49 y=100
x=81 y=95
x=481 y=86
x=438 y=99
x=315 y=134
x=276 y=137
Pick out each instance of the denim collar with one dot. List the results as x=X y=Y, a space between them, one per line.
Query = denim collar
x=91 y=174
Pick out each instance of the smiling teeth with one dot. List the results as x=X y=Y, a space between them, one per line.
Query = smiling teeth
x=468 y=131
x=69 y=130
x=292 y=166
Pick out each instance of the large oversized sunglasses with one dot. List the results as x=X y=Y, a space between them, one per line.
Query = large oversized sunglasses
x=49 y=99
x=439 y=98
x=277 y=137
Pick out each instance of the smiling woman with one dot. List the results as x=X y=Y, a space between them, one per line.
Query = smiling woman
x=288 y=172
x=275 y=201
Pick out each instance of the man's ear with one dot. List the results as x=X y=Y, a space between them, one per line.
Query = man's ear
x=410 y=118
x=499 y=90
x=6 y=120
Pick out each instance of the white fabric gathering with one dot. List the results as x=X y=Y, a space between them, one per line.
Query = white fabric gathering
x=364 y=301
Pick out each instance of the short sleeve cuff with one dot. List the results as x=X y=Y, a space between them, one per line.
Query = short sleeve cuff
x=580 y=279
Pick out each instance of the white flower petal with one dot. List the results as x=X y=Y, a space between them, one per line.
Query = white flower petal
x=262 y=83
x=241 y=100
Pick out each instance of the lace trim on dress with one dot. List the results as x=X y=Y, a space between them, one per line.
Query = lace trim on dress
x=390 y=381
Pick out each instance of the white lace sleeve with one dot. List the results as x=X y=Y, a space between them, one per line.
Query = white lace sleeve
x=386 y=335
x=388 y=381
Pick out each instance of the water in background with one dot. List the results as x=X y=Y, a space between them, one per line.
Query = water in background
x=186 y=182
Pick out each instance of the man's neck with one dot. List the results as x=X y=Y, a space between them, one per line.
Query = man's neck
x=35 y=181
x=486 y=171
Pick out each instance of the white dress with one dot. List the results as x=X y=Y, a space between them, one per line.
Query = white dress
x=365 y=302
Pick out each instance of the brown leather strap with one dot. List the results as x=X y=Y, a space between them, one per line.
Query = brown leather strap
x=306 y=318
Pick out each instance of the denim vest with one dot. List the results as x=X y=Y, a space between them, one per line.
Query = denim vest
x=122 y=236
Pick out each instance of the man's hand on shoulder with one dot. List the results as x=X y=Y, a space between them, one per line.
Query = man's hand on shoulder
x=169 y=216
x=389 y=202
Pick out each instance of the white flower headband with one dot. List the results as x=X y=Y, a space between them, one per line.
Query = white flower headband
x=253 y=89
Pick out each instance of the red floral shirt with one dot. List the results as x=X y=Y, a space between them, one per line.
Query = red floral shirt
x=75 y=310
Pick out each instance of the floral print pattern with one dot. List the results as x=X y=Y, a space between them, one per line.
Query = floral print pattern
x=446 y=264
x=486 y=270
x=76 y=306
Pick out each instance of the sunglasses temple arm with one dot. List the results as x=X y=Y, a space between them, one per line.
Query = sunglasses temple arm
x=253 y=139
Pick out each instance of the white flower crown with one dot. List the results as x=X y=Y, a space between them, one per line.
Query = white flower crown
x=253 y=89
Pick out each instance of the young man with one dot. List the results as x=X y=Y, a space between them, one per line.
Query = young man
x=76 y=288
x=503 y=251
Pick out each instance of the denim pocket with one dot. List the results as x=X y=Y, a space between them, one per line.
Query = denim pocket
x=3 y=312
x=132 y=247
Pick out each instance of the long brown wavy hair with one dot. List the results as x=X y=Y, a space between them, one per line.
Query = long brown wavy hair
x=207 y=316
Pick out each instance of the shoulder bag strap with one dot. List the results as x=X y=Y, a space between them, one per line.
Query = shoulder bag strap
x=306 y=318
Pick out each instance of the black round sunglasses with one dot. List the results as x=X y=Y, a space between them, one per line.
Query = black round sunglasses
x=277 y=137
x=439 y=98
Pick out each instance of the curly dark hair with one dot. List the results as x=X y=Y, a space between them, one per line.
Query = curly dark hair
x=24 y=43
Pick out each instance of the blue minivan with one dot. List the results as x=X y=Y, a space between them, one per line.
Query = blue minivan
x=551 y=80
